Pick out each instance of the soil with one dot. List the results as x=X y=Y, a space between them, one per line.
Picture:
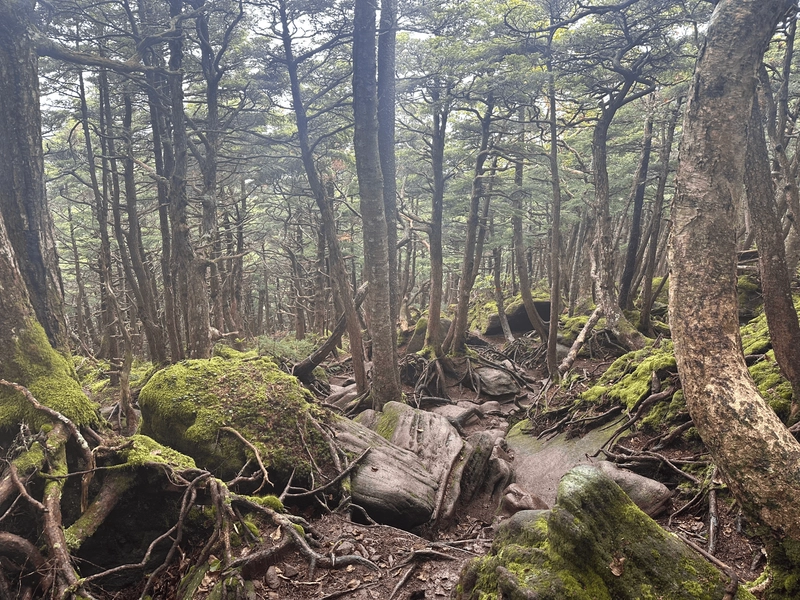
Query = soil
x=427 y=564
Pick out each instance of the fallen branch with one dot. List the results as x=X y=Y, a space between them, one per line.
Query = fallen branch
x=254 y=451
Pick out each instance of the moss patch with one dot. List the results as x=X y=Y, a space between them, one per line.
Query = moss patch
x=144 y=450
x=627 y=380
x=187 y=404
x=772 y=385
x=49 y=377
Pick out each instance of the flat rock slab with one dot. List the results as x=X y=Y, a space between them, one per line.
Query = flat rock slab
x=540 y=464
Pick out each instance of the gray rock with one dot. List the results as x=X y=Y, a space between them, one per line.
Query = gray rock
x=648 y=494
x=496 y=382
x=540 y=464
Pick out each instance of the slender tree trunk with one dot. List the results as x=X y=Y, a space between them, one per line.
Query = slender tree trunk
x=441 y=113
x=108 y=329
x=658 y=206
x=339 y=274
x=385 y=376
x=602 y=249
x=758 y=456
x=187 y=269
x=141 y=279
x=626 y=289
x=517 y=198
x=457 y=334
x=497 y=254
x=387 y=35
x=577 y=263
x=784 y=330
x=555 y=227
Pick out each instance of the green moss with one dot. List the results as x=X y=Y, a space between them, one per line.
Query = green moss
x=187 y=404
x=144 y=450
x=597 y=546
x=627 y=380
x=227 y=352
x=387 y=422
x=772 y=385
x=480 y=313
x=30 y=460
x=270 y=501
x=49 y=377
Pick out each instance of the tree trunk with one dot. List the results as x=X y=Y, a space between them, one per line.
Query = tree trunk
x=555 y=226
x=385 y=376
x=519 y=254
x=337 y=267
x=441 y=113
x=757 y=454
x=387 y=36
x=23 y=203
x=784 y=330
x=626 y=289
x=457 y=334
x=497 y=253
x=602 y=248
x=187 y=269
x=655 y=231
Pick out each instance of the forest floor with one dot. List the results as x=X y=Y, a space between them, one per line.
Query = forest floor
x=426 y=564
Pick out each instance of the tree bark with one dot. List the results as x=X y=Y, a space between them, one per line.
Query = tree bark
x=23 y=203
x=758 y=455
x=385 y=376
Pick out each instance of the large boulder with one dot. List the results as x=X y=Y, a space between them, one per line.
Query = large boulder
x=594 y=544
x=424 y=463
x=187 y=405
x=517 y=317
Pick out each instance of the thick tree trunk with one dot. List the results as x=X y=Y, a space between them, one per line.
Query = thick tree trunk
x=757 y=454
x=385 y=376
x=23 y=204
x=784 y=330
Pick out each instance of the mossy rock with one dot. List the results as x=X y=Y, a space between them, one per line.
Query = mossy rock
x=627 y=380
x=185 y=406
x=484 y=317
x=32 y=362
x=417 y=341
x=594 y=544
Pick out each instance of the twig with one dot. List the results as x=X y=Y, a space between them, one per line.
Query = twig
x=713 y=518
x=255 y=451
x=641 y=405
x=402 y=581
x=733 y=585
x=332 y=482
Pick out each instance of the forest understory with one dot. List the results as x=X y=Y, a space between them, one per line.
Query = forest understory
x=189 y=531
